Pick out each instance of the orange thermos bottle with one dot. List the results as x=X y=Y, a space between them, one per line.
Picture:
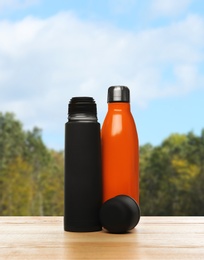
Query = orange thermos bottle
x=120 y=148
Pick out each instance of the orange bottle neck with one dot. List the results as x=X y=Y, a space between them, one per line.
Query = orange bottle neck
x=118 y=106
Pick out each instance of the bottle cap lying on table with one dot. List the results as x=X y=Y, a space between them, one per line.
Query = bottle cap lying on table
x=120 y=214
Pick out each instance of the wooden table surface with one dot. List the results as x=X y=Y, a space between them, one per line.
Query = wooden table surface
x=153 y=238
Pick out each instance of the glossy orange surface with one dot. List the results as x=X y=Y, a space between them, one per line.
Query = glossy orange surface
x=120 y=152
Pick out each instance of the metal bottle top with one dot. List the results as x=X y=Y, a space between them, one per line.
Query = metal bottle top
x=118 y=94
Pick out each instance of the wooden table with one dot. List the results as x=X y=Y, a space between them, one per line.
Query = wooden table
x=153 y=238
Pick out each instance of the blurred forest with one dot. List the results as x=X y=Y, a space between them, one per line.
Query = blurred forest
x=31 y=175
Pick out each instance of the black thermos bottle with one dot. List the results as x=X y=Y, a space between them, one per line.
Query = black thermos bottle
x=82 y=176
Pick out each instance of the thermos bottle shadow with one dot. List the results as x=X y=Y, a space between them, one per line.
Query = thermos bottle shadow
x=82 y=176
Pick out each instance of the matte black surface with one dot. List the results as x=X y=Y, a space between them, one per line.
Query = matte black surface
x=82 y=177
x=118 y=94
x=120 y=214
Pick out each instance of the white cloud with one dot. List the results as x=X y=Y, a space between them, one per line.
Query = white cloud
x=169 y=7
x=43 y=63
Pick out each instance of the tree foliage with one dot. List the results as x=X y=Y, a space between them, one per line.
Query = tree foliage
x=172 y=175
x=31 y=175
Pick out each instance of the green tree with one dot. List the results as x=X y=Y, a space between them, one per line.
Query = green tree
x=17 y=196
x=195 y=155
x=171 y=176
x=37 y=155
x=11 y=139
x=53 y=185
x=31 y=176
x=11 y=146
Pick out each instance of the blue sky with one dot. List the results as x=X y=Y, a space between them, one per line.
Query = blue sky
x=51 y=51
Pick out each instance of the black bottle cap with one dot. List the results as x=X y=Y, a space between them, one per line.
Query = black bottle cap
x=120 y=214
x=118 y=94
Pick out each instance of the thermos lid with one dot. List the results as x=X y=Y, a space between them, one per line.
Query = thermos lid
x=120 y=214
x=118 y=94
